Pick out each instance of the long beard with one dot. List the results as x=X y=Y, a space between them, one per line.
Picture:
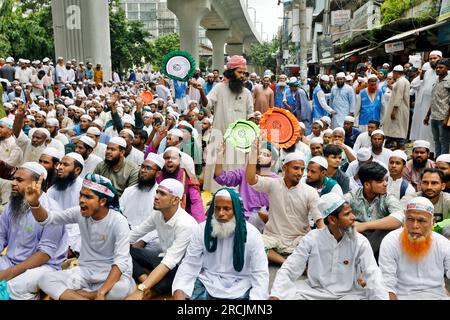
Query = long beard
x=340 y=85
x=145 y=185
x=222 y=230
x=112 y=162
x=62 y=184
x=415 y=249
x=419 y=164
x=236 y=85
x=18 y=205
x=372 y=88
x=350 y=232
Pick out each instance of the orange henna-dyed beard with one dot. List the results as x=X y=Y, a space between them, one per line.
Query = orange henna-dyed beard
x=415 y=249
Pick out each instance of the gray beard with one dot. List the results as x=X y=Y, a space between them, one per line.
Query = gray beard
x=18 y=205
x=222 y=230
x=350 y=232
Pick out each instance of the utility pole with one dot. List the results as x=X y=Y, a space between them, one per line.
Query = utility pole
x=325 y=26
x=303 y=41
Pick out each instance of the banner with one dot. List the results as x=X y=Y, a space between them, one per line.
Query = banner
x=394 y=46
x=340 y=17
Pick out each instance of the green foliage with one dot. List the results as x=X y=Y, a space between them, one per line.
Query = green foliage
x=262 y=54
x=162 y=46
x=393 y=9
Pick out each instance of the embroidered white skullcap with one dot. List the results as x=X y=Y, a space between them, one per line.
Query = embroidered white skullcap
x=53 y=122
x=421 y=144
x=316 y=140
x=76 y=156
x=129 y=132
x=399 y=154
x=319 y=122
x=302 y=125
x=9 y=60
x=223 y=193
x=119 y=141
x=94 y=130
x=8 y=105
x=173 y=114
x=329 y=130
x=7 y=122
x=398 y=68
x=98 y=122
x=443 y=158
x=209 y=120
x=89 y=141
x=340 y=75
x=294 y=156
x=30 y=117
x=42 y=113
x=420 y=204
x=43 y=130
x=320 y=161
x=436 y=52
x=156 y=159
x=349 y=78
x=325 y=78
x=326 y=119
x=363 y=154
x=128 y=119
x=329 y=202
x=349 y=119
x=69 y=102
x=172 y=149
x=81 y=110
x=176 y=132
x=386 y=64
x=173 y=187
x=340 y=129
x=92 y=110
x=378 y=131
x=147 y=115
x=373 y=76
x=34 y=108
x=36 y=168
x=52 y=152
x=87 y=117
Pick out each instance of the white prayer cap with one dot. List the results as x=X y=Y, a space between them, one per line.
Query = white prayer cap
x=250 y=116
x=128 y=119
x=119 y=141
x=360 y=79
x=173 y=114
x=30 y=117
x=42 y=113
x=319 y=122
x=45 y=60
x=176 y=132
x=329 y=130
x=223 y=193
x=302 y=125
x=349 y=119
x=7 y=122
x=399 y=154
x=426 y=66
x=87 y=117
x=436 y=52
x=340 y=129
x=92 y=110
x=294 y=156
x=209 y=120
x=8 y=84
x=325 y=78
x=363 y=154
x=373 y=76
x=421 y=144
x=378 y=131
x=36 y=168
x=53 y=122
x=8 y=105
x=98 y=122
x=326 y=119
x=52 y=152
x=156 y=159
x=69 y=102
x=349 y=78
x=172 y=149
x=398 y=68
x=340 y=75
x=329 y=202
x=147 y=115
x=390 y=75
x=81 y=110
x=420 y=204
x=386 y=65
x=43 y=130
x=76 y=156
x=443 y=158
x=173 y=187
x=320 y=161
x=316 y=140
x=89 y=141
x=292 y=79
x=94 y=131
x=9 y=60
x=129 y=132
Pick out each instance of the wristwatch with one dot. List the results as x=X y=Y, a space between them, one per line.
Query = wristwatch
x=142 y=287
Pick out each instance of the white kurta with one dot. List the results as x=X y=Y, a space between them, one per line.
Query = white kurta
x=69 y=198
x=89 y=164
x=216 y=271
x=100 y=150
x=10 y=152
x=412 y=280
x=333 y=269
x=363 y=141
x=398 y=128
x=394 y=186
x=228 y=107
x=136 y=156
x=383 y=157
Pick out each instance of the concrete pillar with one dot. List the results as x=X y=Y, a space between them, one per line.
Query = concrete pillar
x=235 y=49
x=218 y=38
x=189 y=14
x=81 y=32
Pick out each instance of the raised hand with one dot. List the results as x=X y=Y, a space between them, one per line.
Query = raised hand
x=33 y=192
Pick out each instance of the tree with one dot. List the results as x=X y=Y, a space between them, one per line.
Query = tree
x=263 y=55
x=162 y=46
